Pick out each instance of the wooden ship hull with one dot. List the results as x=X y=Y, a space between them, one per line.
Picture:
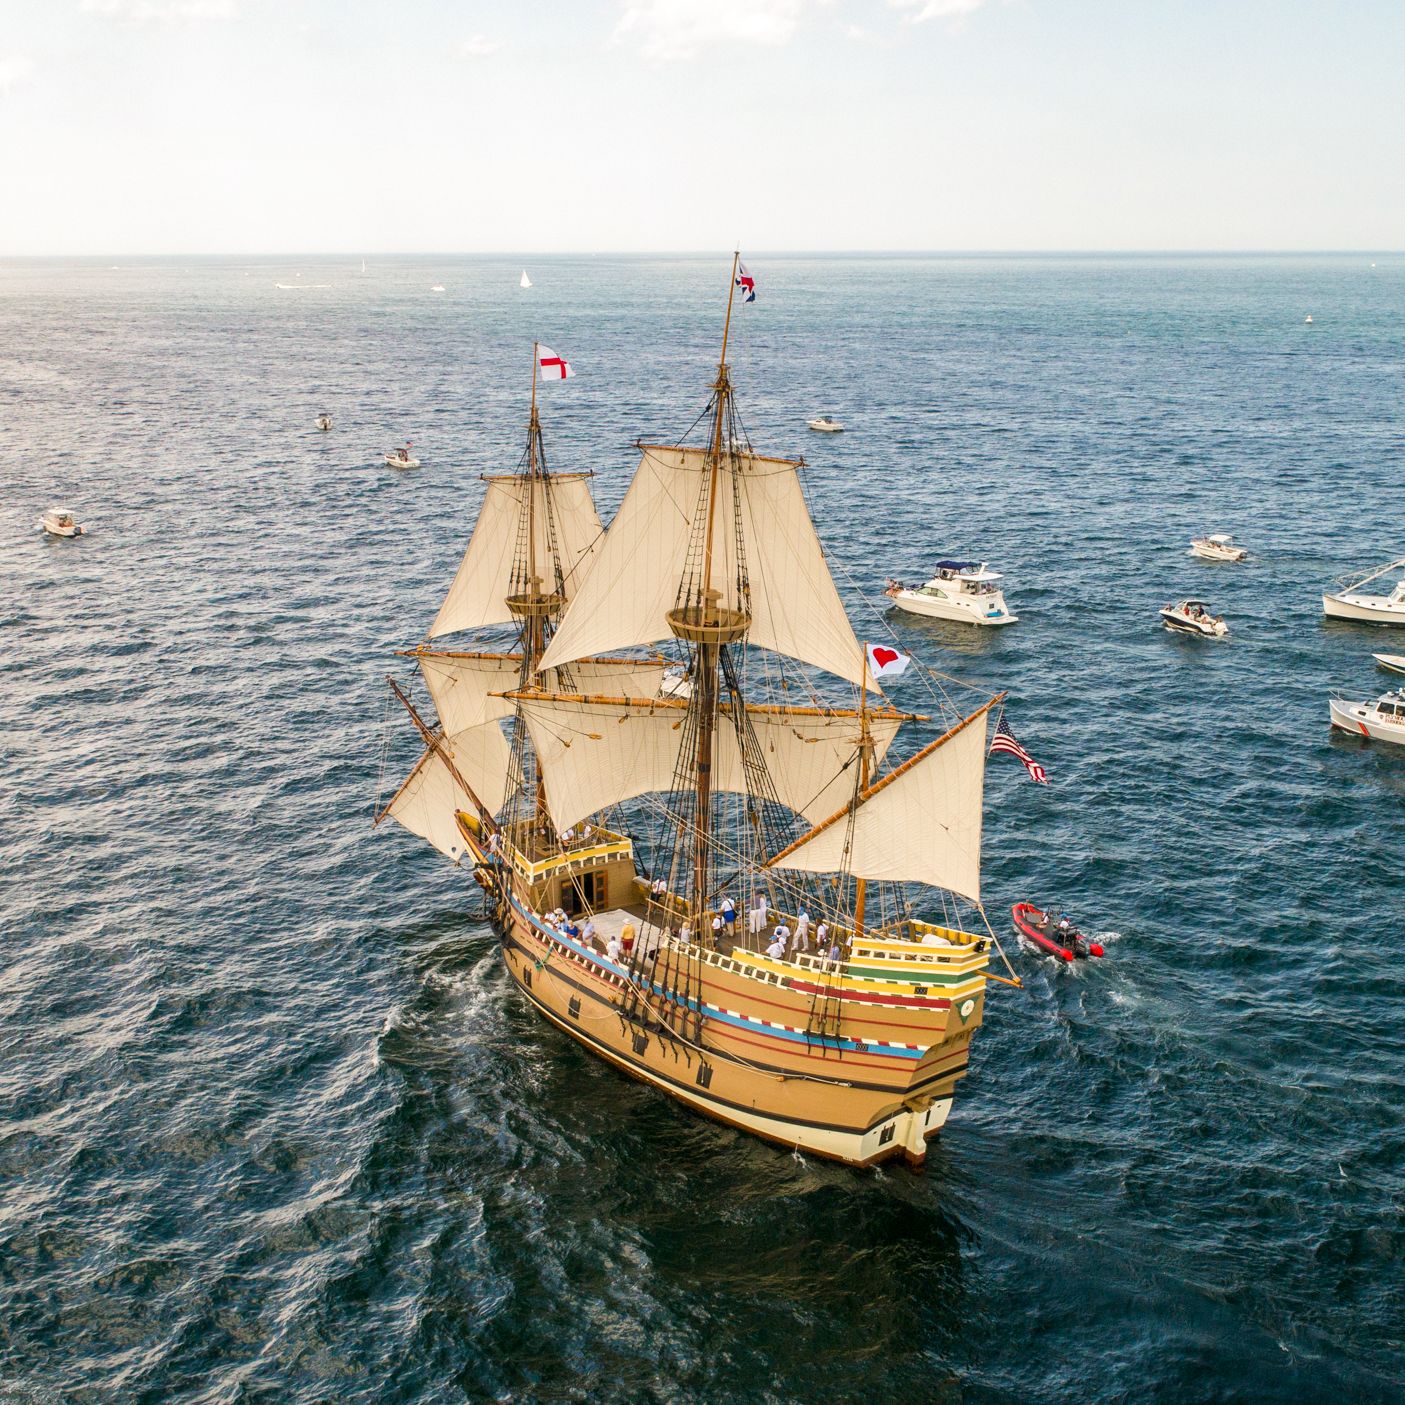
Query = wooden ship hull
x=856 y=1062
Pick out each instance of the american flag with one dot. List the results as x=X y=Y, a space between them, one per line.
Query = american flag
x=746 y=283
x=1005 y=741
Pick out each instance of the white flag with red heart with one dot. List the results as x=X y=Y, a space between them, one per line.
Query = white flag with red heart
x=886 y=662
x=554 y=367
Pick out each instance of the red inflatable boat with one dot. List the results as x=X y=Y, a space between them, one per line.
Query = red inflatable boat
x=1044 y=930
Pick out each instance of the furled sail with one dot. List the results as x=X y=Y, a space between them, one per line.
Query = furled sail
x=784 y=581
x=426 y=803
x=601 y=752
x=467 y=688
x=490 y=570
x=919 y=824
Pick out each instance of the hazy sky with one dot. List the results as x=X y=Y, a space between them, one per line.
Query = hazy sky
x=131 y=126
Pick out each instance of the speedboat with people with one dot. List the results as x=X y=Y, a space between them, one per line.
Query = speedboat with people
x=1350 y=603
x=826 y=424
x=59 y=522
x=965 y=591
x=324 y=421
x=402 y=458
x=1058 y=936
x=1392 y=663
x=1218 y=546
x=1194 y=617
x=1382 y=720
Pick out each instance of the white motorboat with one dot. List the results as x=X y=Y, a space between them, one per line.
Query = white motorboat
x=1393 y=663
x=1218 y=546
x=675 y=683
x=1308 y=319
x=826 y=424
x=1194 y=617
x=437 y=288
x=1382 y=720
x=59 y=522
x=324 y=421
x=402 y=458
x=965 y=591
x=1350 y=604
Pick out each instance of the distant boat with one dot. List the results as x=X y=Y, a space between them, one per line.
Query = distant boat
x=402 y=458
x=363 y=265
x=1382 y=720
x=59 y=522
x=1308 y=318
x=1394 y=662
x=324 y=421
x=1194 y=617
x=437 y=288
x=825 y=424
x=1218 y=546
x=964 y=591
x=526 y=282
x=1350 y=604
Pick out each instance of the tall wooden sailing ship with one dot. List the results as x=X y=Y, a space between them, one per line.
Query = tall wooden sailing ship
x=674 y=701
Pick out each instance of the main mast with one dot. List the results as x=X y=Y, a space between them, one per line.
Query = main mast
x=703 y=622
x=534 y=606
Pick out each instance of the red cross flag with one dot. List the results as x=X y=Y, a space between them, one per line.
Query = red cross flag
x=554 y=367
x=886 y=662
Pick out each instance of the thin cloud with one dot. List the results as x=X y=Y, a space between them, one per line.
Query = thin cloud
x=478 y=46
x=161 y=11
x=668 y=30
x=14 y=70
x=936 y=9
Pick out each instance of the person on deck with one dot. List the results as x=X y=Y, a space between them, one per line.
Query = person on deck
x=614 y=948
x=588 y=932
x=782 y=935
x=822 y=938
x=627 y=936
x=729 y=914
x=717 y=928
x=776 y=951
x=756 y=917
x=802 y=931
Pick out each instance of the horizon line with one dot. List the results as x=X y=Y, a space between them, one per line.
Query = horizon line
x=517 y=254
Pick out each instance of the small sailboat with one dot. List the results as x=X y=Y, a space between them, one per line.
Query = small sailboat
x=1350 y=604
x=1194 y=617
x=402 y=458
x=526 y=282
x=363 y=265
x=59 y=522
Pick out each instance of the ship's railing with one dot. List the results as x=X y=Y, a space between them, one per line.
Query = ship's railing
x=536 y=861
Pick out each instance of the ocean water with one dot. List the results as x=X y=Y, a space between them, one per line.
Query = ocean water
x=273 y=1124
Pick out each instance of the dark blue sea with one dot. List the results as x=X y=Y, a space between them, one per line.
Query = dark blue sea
x=274 y=1127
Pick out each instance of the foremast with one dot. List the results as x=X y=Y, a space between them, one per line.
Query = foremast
x=536 y=532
